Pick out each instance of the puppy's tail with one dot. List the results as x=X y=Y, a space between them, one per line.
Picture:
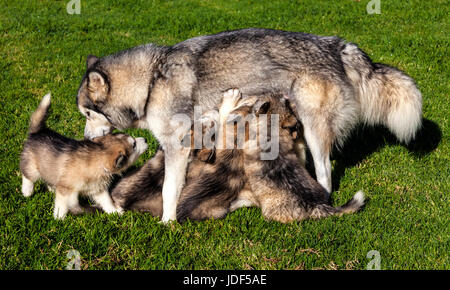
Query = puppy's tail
x=387 y=95
x=352 y=206
x=39 y=116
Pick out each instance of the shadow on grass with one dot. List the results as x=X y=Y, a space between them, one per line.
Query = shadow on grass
x=366 y=140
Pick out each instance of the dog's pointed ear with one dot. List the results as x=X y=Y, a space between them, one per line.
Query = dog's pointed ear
x=120 y=161
x=97 y=87
x=91 y=60
x=261 y=107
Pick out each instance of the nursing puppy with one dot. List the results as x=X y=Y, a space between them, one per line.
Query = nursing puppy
x=214 y=179
x=71 y=167
x=281 y=187
x=235 y=178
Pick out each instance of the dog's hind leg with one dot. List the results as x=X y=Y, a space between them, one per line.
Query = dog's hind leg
x=320 y=152
x=30 y=174
x=328 y=110
x=310 y=97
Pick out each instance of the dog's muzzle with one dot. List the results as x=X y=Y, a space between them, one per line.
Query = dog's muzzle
x=94 y=129
x=96 y=133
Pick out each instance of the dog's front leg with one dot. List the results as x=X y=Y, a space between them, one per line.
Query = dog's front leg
x=176 y=161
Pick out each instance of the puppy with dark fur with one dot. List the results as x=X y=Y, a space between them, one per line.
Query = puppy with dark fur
x=232 y=178
x=281 y=187
x=214 y=180
x=71 y=167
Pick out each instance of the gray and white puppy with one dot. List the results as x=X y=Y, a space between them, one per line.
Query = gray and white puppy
x=72 y=167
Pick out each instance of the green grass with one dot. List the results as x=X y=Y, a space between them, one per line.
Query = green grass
x=406 y=218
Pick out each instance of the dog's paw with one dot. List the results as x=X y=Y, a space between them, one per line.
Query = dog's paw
x=229 y=102
x=119 y=210
x=60 y=212
x=27 y=187
x=167 y=222
x=77 y=210
x=232 y=94
x=231 y=97
x=168 y=217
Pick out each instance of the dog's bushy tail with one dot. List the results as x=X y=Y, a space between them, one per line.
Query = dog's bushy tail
x=387 y=95
x=352 y=206
x=39 y=116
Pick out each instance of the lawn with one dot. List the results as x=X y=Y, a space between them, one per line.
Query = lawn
x=406 y=219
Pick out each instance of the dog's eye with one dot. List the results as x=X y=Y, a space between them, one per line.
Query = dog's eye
x=134 y=144
x=88 y=114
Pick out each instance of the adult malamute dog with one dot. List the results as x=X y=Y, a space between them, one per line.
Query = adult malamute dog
x=332 y=83
x=234 y=178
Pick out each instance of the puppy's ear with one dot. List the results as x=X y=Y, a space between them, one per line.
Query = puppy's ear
x=97 y=87
x=91 y=60
x=120 y=161
x=206 y=155
x=289 y=122
x=261 y=107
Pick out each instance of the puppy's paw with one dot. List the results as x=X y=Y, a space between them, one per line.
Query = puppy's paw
x=229 y=103
x=232 y=94
x=60 y=213
x=77 y=210
x=119 y=210
x=231 y=98
x=27 y=187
